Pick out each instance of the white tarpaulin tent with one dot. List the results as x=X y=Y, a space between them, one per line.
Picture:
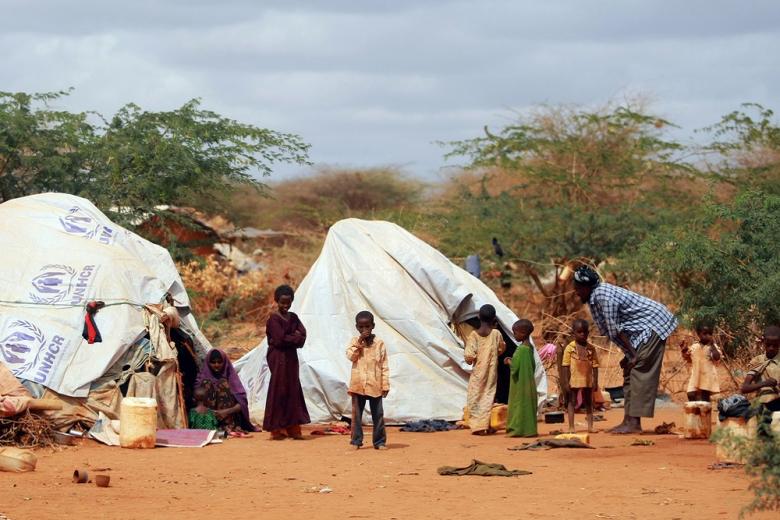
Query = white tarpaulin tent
x=58 y=253
x=415 y=294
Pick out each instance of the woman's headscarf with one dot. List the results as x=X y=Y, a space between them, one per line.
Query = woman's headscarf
x=586 y=276
x=234 y=383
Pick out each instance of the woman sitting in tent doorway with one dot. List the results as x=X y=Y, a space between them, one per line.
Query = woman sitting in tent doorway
x=225 y=394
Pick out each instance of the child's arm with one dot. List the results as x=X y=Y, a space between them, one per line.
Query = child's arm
x=685 y=352
x=565 y=380
x=749 y=386
x=385 y=372
x=470 y=353
x=714 y=353
x=501 y=346
x=298 y=337
x=354 y=350
x=595 y=366
x=566 y=370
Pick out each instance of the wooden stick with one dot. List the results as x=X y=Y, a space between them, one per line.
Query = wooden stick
x=45 y=404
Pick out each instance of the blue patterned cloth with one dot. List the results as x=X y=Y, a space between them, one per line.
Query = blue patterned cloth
x=617 y=310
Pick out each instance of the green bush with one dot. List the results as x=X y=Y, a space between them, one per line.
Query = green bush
x=761 y=456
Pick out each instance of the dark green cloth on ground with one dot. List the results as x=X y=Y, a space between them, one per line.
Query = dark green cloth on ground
x=547 y=444
x=523 y=402
x=482 y=469
x=203 y=421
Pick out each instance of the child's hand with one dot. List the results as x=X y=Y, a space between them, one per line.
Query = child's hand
x=769 y=383
x=508 y=361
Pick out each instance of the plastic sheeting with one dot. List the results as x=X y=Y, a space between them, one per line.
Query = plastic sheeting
x=415 y=294
x=59 y=252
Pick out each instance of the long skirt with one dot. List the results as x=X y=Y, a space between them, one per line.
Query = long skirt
x=523 y=403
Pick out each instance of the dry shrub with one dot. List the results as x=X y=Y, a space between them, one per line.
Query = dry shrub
x=218 y=291
x=317 y=201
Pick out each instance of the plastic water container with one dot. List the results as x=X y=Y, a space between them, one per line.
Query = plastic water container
x=582 y=437
x=698 y=420
x=776 y=423
x=736 y=427
x=498 y=416
x=16 y=460
x=138 y=422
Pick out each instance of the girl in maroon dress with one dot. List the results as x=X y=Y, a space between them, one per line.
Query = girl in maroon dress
x=285 y=407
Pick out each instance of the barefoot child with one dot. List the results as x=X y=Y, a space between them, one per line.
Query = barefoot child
x=483 y=347
x=285 y=407
x=580 y=371
x=201 y=416
x=703 y=357
x=523 y=402
x=763 y=377
x=369 y=381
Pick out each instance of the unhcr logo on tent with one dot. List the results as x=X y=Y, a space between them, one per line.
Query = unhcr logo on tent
x=80 y=222
x=22 y=339
x=57 y=283
x=52 y=284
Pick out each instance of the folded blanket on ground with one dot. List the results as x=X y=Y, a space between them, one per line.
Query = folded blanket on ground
x=428 y=425
x=482 y=469
x=548 y=444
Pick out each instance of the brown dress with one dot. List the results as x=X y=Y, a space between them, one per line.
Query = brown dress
x=285 y=406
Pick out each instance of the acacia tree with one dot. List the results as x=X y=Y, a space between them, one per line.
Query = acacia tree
x=41 y=149
x=745 y=150
x=135 y=160
x=723 y=263
x=568 y=185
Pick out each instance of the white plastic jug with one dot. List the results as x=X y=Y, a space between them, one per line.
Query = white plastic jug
x=138 y=422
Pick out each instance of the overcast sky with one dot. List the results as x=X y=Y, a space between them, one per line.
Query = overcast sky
x=372 y=83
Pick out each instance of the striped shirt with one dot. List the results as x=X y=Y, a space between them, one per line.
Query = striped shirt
x=617 y=310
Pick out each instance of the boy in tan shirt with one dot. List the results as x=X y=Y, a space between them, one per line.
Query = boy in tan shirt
x=370 y=380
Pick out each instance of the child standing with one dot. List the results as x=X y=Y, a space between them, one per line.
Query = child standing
x=369 y=381
x=523 y=401
x=580 y=372
x=704 y=357
x=201 y=416
x=483 y=347
x=285 y=407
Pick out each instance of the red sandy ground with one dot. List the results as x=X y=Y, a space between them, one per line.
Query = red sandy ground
x=260 y=478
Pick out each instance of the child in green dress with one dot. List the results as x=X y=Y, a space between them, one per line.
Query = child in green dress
x=523 y=401
x=202 y=417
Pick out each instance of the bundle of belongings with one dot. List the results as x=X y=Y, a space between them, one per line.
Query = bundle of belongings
x=14 y=397
x=736 y=405
x=91 y=313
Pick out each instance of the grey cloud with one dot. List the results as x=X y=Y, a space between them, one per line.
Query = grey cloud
x=378 y=82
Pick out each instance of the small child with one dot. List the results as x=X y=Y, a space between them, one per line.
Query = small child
x=523 y=401
x=580 y=372
x=763 y=377
x=369 y=381
x=704 y=357
x=483 y=347
x=201 y=416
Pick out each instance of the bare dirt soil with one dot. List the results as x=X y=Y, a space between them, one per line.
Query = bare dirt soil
x=260 y=478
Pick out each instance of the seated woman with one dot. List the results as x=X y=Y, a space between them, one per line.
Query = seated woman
x=224 y=393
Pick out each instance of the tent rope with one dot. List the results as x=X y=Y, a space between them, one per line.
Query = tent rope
x=68 y=305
